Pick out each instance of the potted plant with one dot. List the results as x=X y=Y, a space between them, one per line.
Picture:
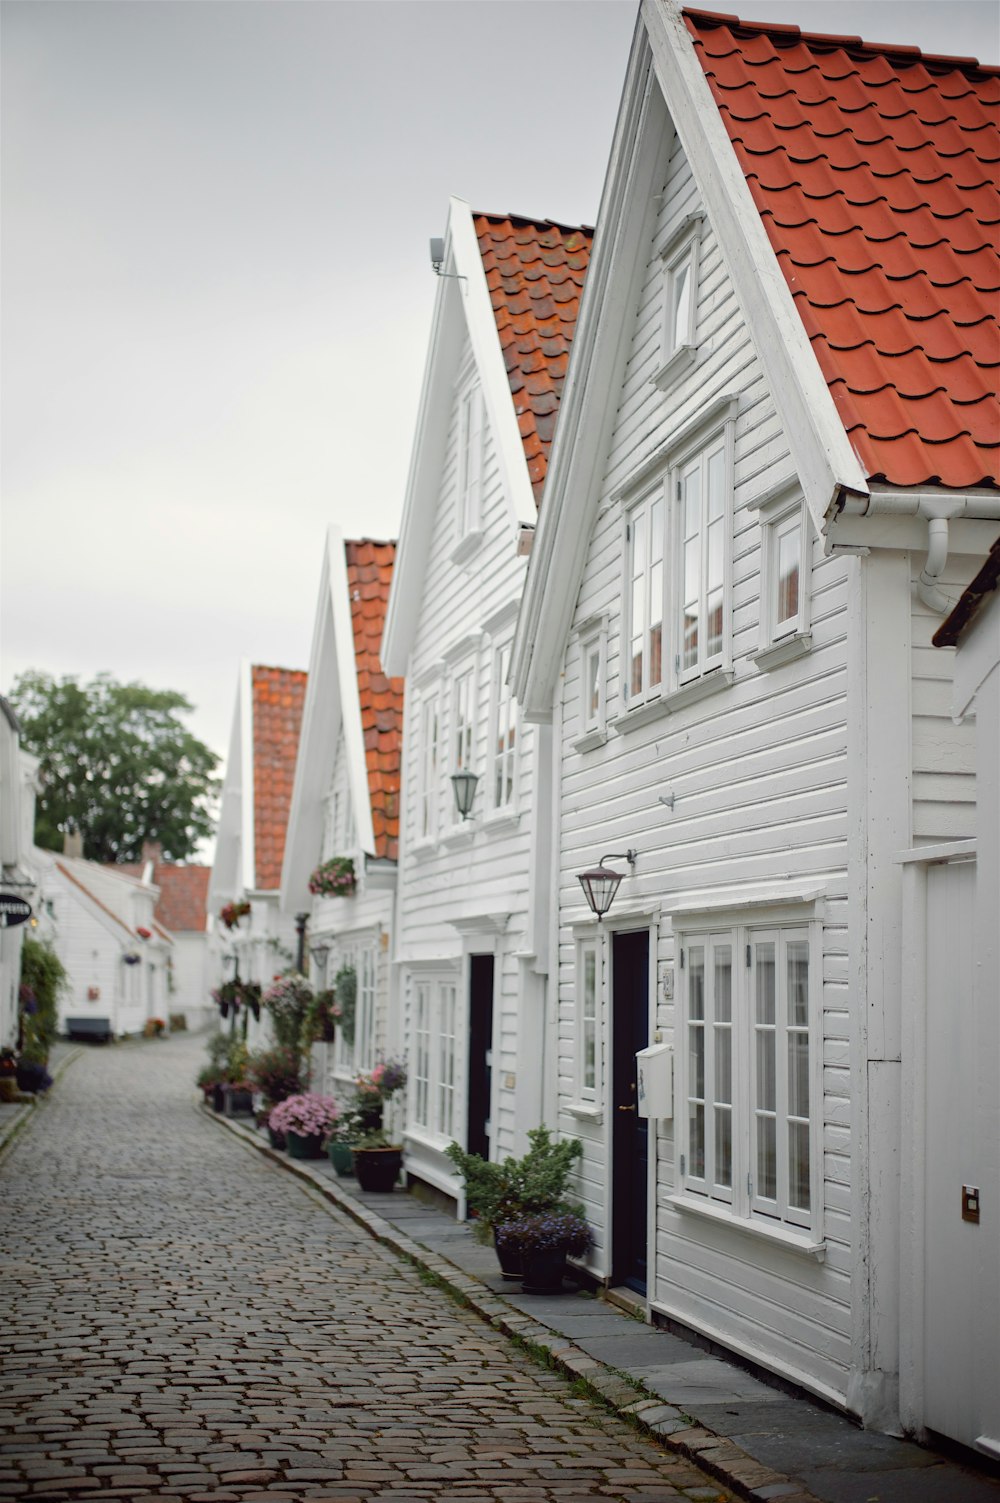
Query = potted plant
x=542 y=1243
x=231 y=913
x=372 y=1091
x=287 y=1002
x=377 y=1162
x=275 y=1074
x=237 y=1090
x=305 y=1121
x=334 y=878
x=322 y=1017
x=532 y=1185
x=340 y=1143
x=211 y=1077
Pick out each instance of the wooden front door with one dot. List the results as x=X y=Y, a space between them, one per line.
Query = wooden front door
x=480 y=1054
x=629 y=1131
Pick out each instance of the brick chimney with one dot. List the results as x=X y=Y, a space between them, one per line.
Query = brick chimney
x=72 y=842
x=152 y=850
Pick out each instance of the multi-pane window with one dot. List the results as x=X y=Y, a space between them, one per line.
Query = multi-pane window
x=421 y=1095
x=470 y=458
x=463 y=727
x=748 y=1124
x=504 y=736
x=680 y=296
x=429 y=756
x=591 y=685
x=645 y=543
x=588 y=1010
x=434 y=1055
x=702 y=508
x=360 y=1053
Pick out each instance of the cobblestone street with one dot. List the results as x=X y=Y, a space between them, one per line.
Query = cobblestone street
x=184 y=1320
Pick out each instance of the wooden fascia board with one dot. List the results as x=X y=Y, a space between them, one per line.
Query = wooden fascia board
x=350 y=698
x=824 y=458
x=322 y=700
x=485 y=340
x=596 y=366
x=424 y=479
x=246 y=877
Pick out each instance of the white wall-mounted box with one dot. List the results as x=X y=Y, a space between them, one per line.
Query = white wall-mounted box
x=655 y=1080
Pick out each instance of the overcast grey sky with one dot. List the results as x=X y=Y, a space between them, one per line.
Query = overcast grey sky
x=217 y=294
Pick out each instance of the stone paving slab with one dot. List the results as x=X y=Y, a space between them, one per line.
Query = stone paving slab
x=759 y=1460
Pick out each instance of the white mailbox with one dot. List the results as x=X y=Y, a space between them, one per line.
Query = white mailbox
x=655 y=1081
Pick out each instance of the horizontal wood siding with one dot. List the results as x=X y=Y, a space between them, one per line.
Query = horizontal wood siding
x=758 y=775
x=481 y=867
x=943 y=754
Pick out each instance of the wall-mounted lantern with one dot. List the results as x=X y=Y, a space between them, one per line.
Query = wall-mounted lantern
x=602 y=882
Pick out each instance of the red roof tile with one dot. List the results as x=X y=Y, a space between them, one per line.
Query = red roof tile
x=534 y=271
x=875 y=172
x=369 y=575
x=278 y=698
x=183 y=891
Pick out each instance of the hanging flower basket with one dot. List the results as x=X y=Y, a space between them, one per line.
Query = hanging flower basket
x=231 y=913
x=334 y=878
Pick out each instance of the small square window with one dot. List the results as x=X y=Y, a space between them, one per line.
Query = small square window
x=680 y=257
x=592 y=641
x=784 y=582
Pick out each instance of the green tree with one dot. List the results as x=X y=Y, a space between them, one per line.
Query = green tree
x=118 y=764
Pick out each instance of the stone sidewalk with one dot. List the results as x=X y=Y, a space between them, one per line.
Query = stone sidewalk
x=183 y=1321
x=761 y=1440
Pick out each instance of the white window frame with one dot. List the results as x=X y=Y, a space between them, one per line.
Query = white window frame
x=699 y=460
x=779 y=641
x=589 y=1020
x=741 y=1203
x=646 y=581
x=361 y=952
x=592 y=643
x=434 y=1105
x=462 y=732
x=502 y=764
x=428 y=800
x=680 y=259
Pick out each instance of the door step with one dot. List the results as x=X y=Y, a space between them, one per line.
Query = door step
x=626 y=1299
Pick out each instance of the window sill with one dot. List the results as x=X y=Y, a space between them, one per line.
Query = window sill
x=590 y=740
x=671 y=370
x=795 y=645
x=586 y=1111
x=458 y=836
x=782 y=1236
x=467 y=548
x=501 y=819
x=421 y=849
x=687 y=694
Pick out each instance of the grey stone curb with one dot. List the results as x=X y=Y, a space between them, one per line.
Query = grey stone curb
x=15 y=1122
x=646 y=1411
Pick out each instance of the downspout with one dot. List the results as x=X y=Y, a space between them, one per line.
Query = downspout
x=939 y=510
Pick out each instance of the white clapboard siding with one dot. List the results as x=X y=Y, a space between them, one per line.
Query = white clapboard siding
x=482 y=867
x=758 y=773
x=943 y=754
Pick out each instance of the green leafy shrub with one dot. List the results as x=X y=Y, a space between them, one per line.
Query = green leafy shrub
x=534 y=1185
x=43 y=978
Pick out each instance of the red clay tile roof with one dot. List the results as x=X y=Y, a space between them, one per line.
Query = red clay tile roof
x=535 y=271
x=183 y=892
x=278 y=697
x=369 y=575
x=875 y=172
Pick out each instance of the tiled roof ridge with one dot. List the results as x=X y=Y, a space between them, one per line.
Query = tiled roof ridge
x=275 y=668
x=783 y=32
x=530 y=219
x=535 y=271
x=373 y=542
x=369 y=578
x=874 y=176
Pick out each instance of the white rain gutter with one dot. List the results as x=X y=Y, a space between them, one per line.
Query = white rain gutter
x=939 y=508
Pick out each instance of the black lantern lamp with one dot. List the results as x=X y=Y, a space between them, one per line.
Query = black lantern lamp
x=319 y=954
x=464 y=785
x=601 y=884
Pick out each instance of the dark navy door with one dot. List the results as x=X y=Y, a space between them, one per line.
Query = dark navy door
x=629 y=1131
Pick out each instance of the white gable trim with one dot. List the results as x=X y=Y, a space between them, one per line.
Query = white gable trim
x=600 y=349
x=332 y=705
x=462 y=309
x=248 y=859
x=821 y=450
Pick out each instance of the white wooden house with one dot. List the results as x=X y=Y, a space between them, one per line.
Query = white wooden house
x=250 y=841
x=181 y=910
x=470 y=928
x=775 y=469
x=101 y=924
x=18 y=771
x=345 y=801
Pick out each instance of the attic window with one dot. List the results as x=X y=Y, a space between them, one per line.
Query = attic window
x=680 y=258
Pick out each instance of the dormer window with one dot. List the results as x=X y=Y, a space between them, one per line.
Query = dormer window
x=680 y=301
